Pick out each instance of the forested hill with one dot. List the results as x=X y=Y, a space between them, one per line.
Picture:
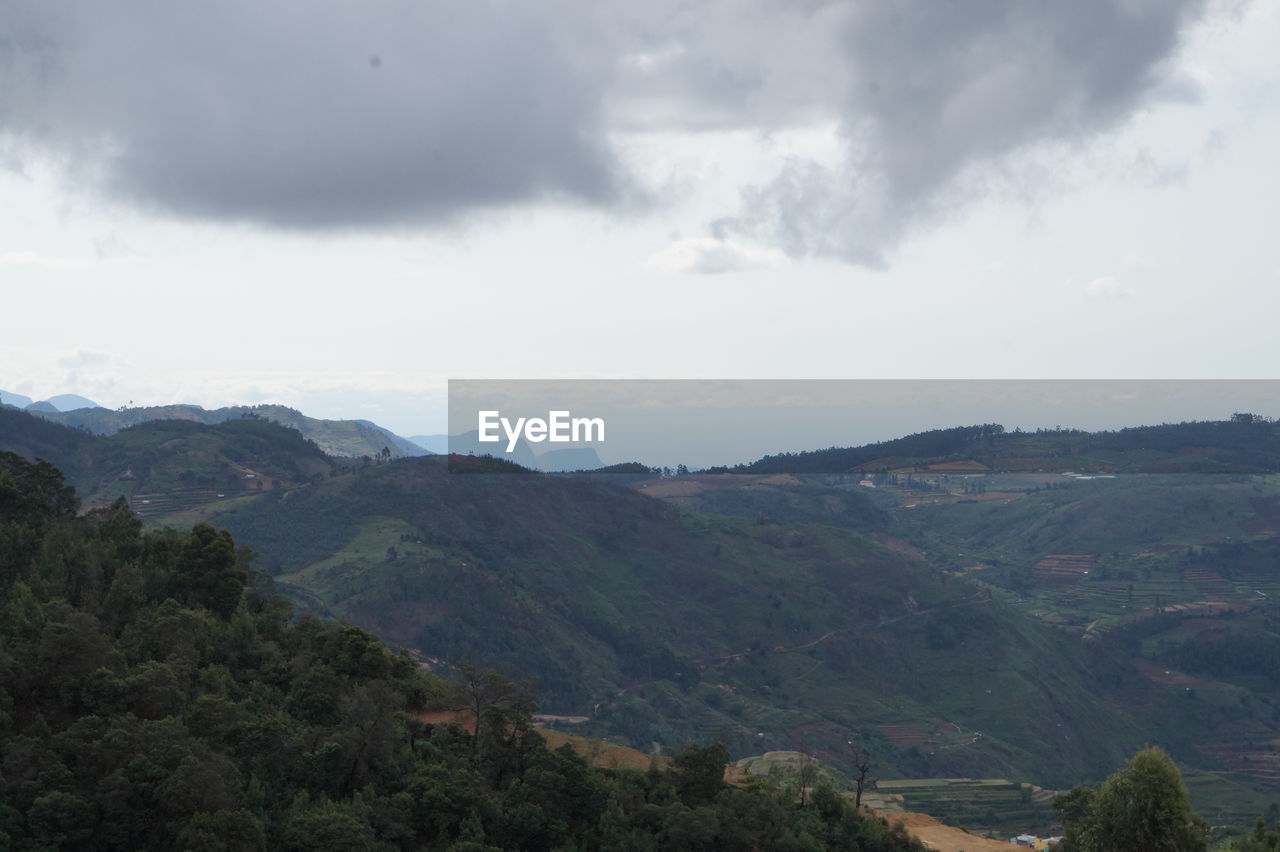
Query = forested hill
x=170 y=464
x=156 y=695
x=770 y=612
x=1244 y=444
x=34 y=437
x=662 y=625
x=343 y=438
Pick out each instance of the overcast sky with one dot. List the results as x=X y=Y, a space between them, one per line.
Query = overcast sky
x=338 y=206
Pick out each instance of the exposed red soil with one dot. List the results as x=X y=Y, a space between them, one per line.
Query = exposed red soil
x=945 y=838
x=1064 y=567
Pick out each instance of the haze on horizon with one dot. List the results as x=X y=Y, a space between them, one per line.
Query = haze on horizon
x=338 y=208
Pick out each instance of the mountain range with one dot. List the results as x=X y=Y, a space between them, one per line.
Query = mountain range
x=343 y=438
x=955 y=618
x=61 y=402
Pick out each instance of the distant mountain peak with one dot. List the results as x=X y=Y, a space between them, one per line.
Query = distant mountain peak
x=15 y=399
x=61 y=402
x=71 y=402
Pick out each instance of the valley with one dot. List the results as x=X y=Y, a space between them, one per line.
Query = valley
x=955 y=622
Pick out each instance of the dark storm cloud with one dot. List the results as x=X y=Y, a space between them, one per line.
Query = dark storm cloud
x=346 y=114
x=322 y=113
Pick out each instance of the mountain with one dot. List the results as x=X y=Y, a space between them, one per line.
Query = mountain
x=71 y=402
x=662 y=625
x=1245 y=443
x=966 y=639
x=35 y=437
x=975 y=624
x=15 y=399
x=158 y=695
x=400 y=446
x=59 y=403
x=169 y=468
x=344 y=438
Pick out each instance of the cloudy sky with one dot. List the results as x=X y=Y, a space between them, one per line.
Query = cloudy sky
x=338 y=206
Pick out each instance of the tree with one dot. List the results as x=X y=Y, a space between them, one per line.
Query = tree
x=862 y=766
x=700 y=773
x=1261 y=839
x=208 y=571
x=807 y=772
x=492 y=698
x=1143 y=806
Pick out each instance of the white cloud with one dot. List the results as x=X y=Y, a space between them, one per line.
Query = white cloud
x=711 y=256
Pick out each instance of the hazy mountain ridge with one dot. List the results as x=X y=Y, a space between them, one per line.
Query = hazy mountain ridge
x=60 y=402
x=1245 y=443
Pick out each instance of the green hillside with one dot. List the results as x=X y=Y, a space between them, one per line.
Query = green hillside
x=169 y=469
x=157 y=695
x=34 y=437
x=1245 y=443
x=1034 y=627
x=662 y=625
x=343 y=438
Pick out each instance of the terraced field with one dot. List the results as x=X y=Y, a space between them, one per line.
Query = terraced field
x=1221 y=801
x=1064 y=567
x=160 y=503
x=981 y=805
x=1247 y=758
x=928 y=736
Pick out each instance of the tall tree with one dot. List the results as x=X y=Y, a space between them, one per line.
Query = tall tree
x=1143 y=806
